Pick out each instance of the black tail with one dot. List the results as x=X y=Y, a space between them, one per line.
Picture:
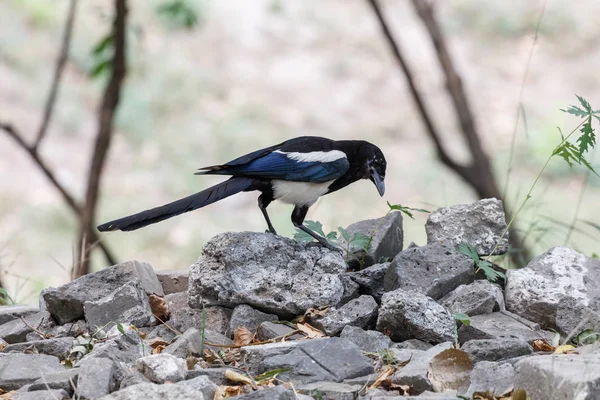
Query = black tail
x=207 y=196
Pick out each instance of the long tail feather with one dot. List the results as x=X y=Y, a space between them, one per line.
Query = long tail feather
x=193 y=202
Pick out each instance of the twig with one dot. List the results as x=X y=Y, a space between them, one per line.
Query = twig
x=40 y=333
x=60 y=65
x=106 y=114
x=69 y=199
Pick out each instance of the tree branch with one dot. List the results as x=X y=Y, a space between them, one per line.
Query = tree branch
x=106 y=113
x=60 y=66
x=69 y=199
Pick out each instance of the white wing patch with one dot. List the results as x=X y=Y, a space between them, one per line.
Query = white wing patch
x=318 y=156
x=299 y=193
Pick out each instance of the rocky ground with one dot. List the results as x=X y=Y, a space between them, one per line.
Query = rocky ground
x=263 y=317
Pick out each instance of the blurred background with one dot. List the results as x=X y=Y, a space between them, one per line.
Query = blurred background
x=217 y=79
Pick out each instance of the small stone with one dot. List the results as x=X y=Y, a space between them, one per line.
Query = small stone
x=371 y=280
x=202 y=384
x=332 y=390
x=65 y=380
x=16 y=331
x=173 y=281
x=184 y=317
x=123 y=350
x=52 y=394
x=188 y=344
x=351 y=290
x=410 y=314
x=9 y=313
x=18 y=370
x=57 y=347
x=495 y=377
x=152 y=391
x=65 y=303
x=97 y=377
x=216 y=375
x=573 y=318
x=369 y=341
x=499 y=325
x=434 y=270
x=387 y=239
x=414 y=344
x=270 y=330
x=496 y=349
x=161 y=368
x=479 y=297
x=359 y=312
x=480 y=224
x=250 y=318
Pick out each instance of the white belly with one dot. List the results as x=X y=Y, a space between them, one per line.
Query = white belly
x=299 y=193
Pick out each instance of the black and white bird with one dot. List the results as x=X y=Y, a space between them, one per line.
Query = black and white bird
x=297 y=171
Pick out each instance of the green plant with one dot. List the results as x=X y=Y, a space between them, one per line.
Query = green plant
x=459 y=317
x=5 y=298
x=571 y=151
x=588 y=336
x=490 y=273
x=179 y=13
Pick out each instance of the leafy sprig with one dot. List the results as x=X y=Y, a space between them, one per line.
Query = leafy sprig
x=406 y=210
x=490 y=273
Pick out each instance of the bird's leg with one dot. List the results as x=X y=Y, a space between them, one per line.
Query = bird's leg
x=298 y=216
x=263 y=204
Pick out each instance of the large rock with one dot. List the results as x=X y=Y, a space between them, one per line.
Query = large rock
x=480 y=224
x=369 y=341
x=501 y=325
x=152 y=391
x=496 y=349
x=360 y=312
x=202 y=384
x=561 y=274
x=268 y=272
x=386 y=242
x=187 y=344
x=244 y=316
x=410 y=314
x=183 y=317
x=65 y=303
x=63 y=380
x=557 y=377
x=17 y=370
x=371 y=280
x=573 y=318
x=57 y=347
x=495 y=377
x=434 y=270
x=479 y=297
x=96 y=378
x=173 y=281
x=161 y=368
x=309 y=361
x=9 y=313
x=52 y=394
x=16 y=331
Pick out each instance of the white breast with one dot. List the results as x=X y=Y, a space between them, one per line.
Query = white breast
x=299 y=193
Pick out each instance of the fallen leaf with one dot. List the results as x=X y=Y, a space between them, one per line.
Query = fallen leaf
x=387 y=371
x=141 y=334
x=190 y=362
x=314 y=313
x=158 y=341
x=565 y=348
x=158 y=349
x=159 y=307
x=403 y=390
x=224 y=392
x=242 y=336
x=310 y=331
x=449 y=370
x=542 y=345
x=237 y=377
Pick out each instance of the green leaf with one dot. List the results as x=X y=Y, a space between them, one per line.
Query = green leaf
x=585 y=104
x=468 y=250
x=462 y=317
x=331 y=236
x=315 y=226
x=490 y=273
x=104 y=44
x=405 y=210
x=5 y=298
x=179 y=12
x=587 y=139
x=360 y=241
x=345 y=234
x=271 y=374
x=120 y=328
x=100 y=67
x=588 y=336
x=301 y=236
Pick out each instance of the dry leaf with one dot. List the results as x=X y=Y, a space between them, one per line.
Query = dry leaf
x=141 y=334
x=190 y=362
x=242 y=336
x=158 y=349
x=158 y=341
x=565 y=348
x=403 y=390
x=159 y=307
x=7 y=395
x=224 y=392
x=310 y=331
x=387 y=371
x=237 y=377
x=542 y=345
x=449 y=370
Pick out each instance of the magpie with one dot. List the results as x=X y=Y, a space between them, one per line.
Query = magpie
x=297 y=171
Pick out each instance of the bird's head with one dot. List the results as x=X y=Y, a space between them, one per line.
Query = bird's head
x=375 y=167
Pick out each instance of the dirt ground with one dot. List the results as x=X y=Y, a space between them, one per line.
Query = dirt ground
x=256 y=73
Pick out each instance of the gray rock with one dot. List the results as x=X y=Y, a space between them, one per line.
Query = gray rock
x=271 y=330
x=50 y=329
x=480 y=224
x=561 y=376
x=268 y=272
x=184 y=317
x=123 y=350
x=202 y=384
x=52 y=394
x=351 y=289
x=274 y=393
x=479 y=297
x=434 y=270
x=188 y=344
x=133 y=377
x=173 y=281
x=161 y=368
x=65 y=380
x=249 y=318
x=65 y=303
x=369 y=341
x=495 y=377
x=57 y=347
x=128 y=304
x=9 y=313
x=152 y=391
x=97 y=377
x=16 y=331
x=414 y=344
x=371 y=280
x=410 y=314
x=216 y=375
x=17 y=370
x=496 y=349
x=387 y=239
x=534 y=292
x=573 y=318
x=309 y=361
x=332 y=390
x=500 y=325
x=415 y=373
x=360 y=312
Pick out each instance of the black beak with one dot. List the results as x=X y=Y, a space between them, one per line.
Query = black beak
x=379 y=183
